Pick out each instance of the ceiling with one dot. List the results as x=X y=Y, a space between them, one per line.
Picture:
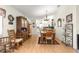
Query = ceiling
x=36 y=11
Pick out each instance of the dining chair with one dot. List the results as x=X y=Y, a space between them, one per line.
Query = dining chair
x=49 y=37
x=1 y=46
x=5 y=45
x=15 y=42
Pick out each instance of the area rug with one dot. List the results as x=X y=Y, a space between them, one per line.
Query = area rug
x=48 y=42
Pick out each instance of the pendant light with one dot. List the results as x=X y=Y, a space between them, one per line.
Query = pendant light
x=46 y=18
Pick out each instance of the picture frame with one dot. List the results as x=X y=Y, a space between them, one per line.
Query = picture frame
x=59 y=22
x=69 y=18
x=11 y=19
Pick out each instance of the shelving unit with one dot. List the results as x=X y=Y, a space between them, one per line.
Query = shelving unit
x=69 y=30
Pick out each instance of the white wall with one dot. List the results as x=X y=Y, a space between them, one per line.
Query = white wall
x=14 y=12
x=77 y=22
x=62 y=12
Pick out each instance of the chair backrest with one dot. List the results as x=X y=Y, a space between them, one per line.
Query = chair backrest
x=12 y=36
x=49 y=34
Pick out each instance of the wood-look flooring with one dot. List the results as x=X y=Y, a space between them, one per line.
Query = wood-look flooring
x=31 y=46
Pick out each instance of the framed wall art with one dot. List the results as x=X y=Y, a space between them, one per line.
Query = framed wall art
x=11 y=19
x=69 y=18
x=59 y=22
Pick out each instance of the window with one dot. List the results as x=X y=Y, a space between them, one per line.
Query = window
x=42 y=23
x=2 y=15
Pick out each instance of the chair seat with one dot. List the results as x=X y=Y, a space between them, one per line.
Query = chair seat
x=19 y=40
x=1 y=47
x=49 y=38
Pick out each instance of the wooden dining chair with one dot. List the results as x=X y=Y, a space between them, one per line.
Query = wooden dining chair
x=1 y=46
x=49 y=37
x=5 y=45
x=43 y=40
x=14 y=41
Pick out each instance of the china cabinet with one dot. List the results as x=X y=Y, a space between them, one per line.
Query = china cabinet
x=22 y=27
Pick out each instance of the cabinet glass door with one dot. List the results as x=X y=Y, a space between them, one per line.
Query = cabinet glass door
x=23 y=22
x=26 y=23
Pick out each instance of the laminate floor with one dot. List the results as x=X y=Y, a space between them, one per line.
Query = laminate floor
x=31 y=46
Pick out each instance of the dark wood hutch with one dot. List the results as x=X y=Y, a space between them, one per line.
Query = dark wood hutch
x=22 y=27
